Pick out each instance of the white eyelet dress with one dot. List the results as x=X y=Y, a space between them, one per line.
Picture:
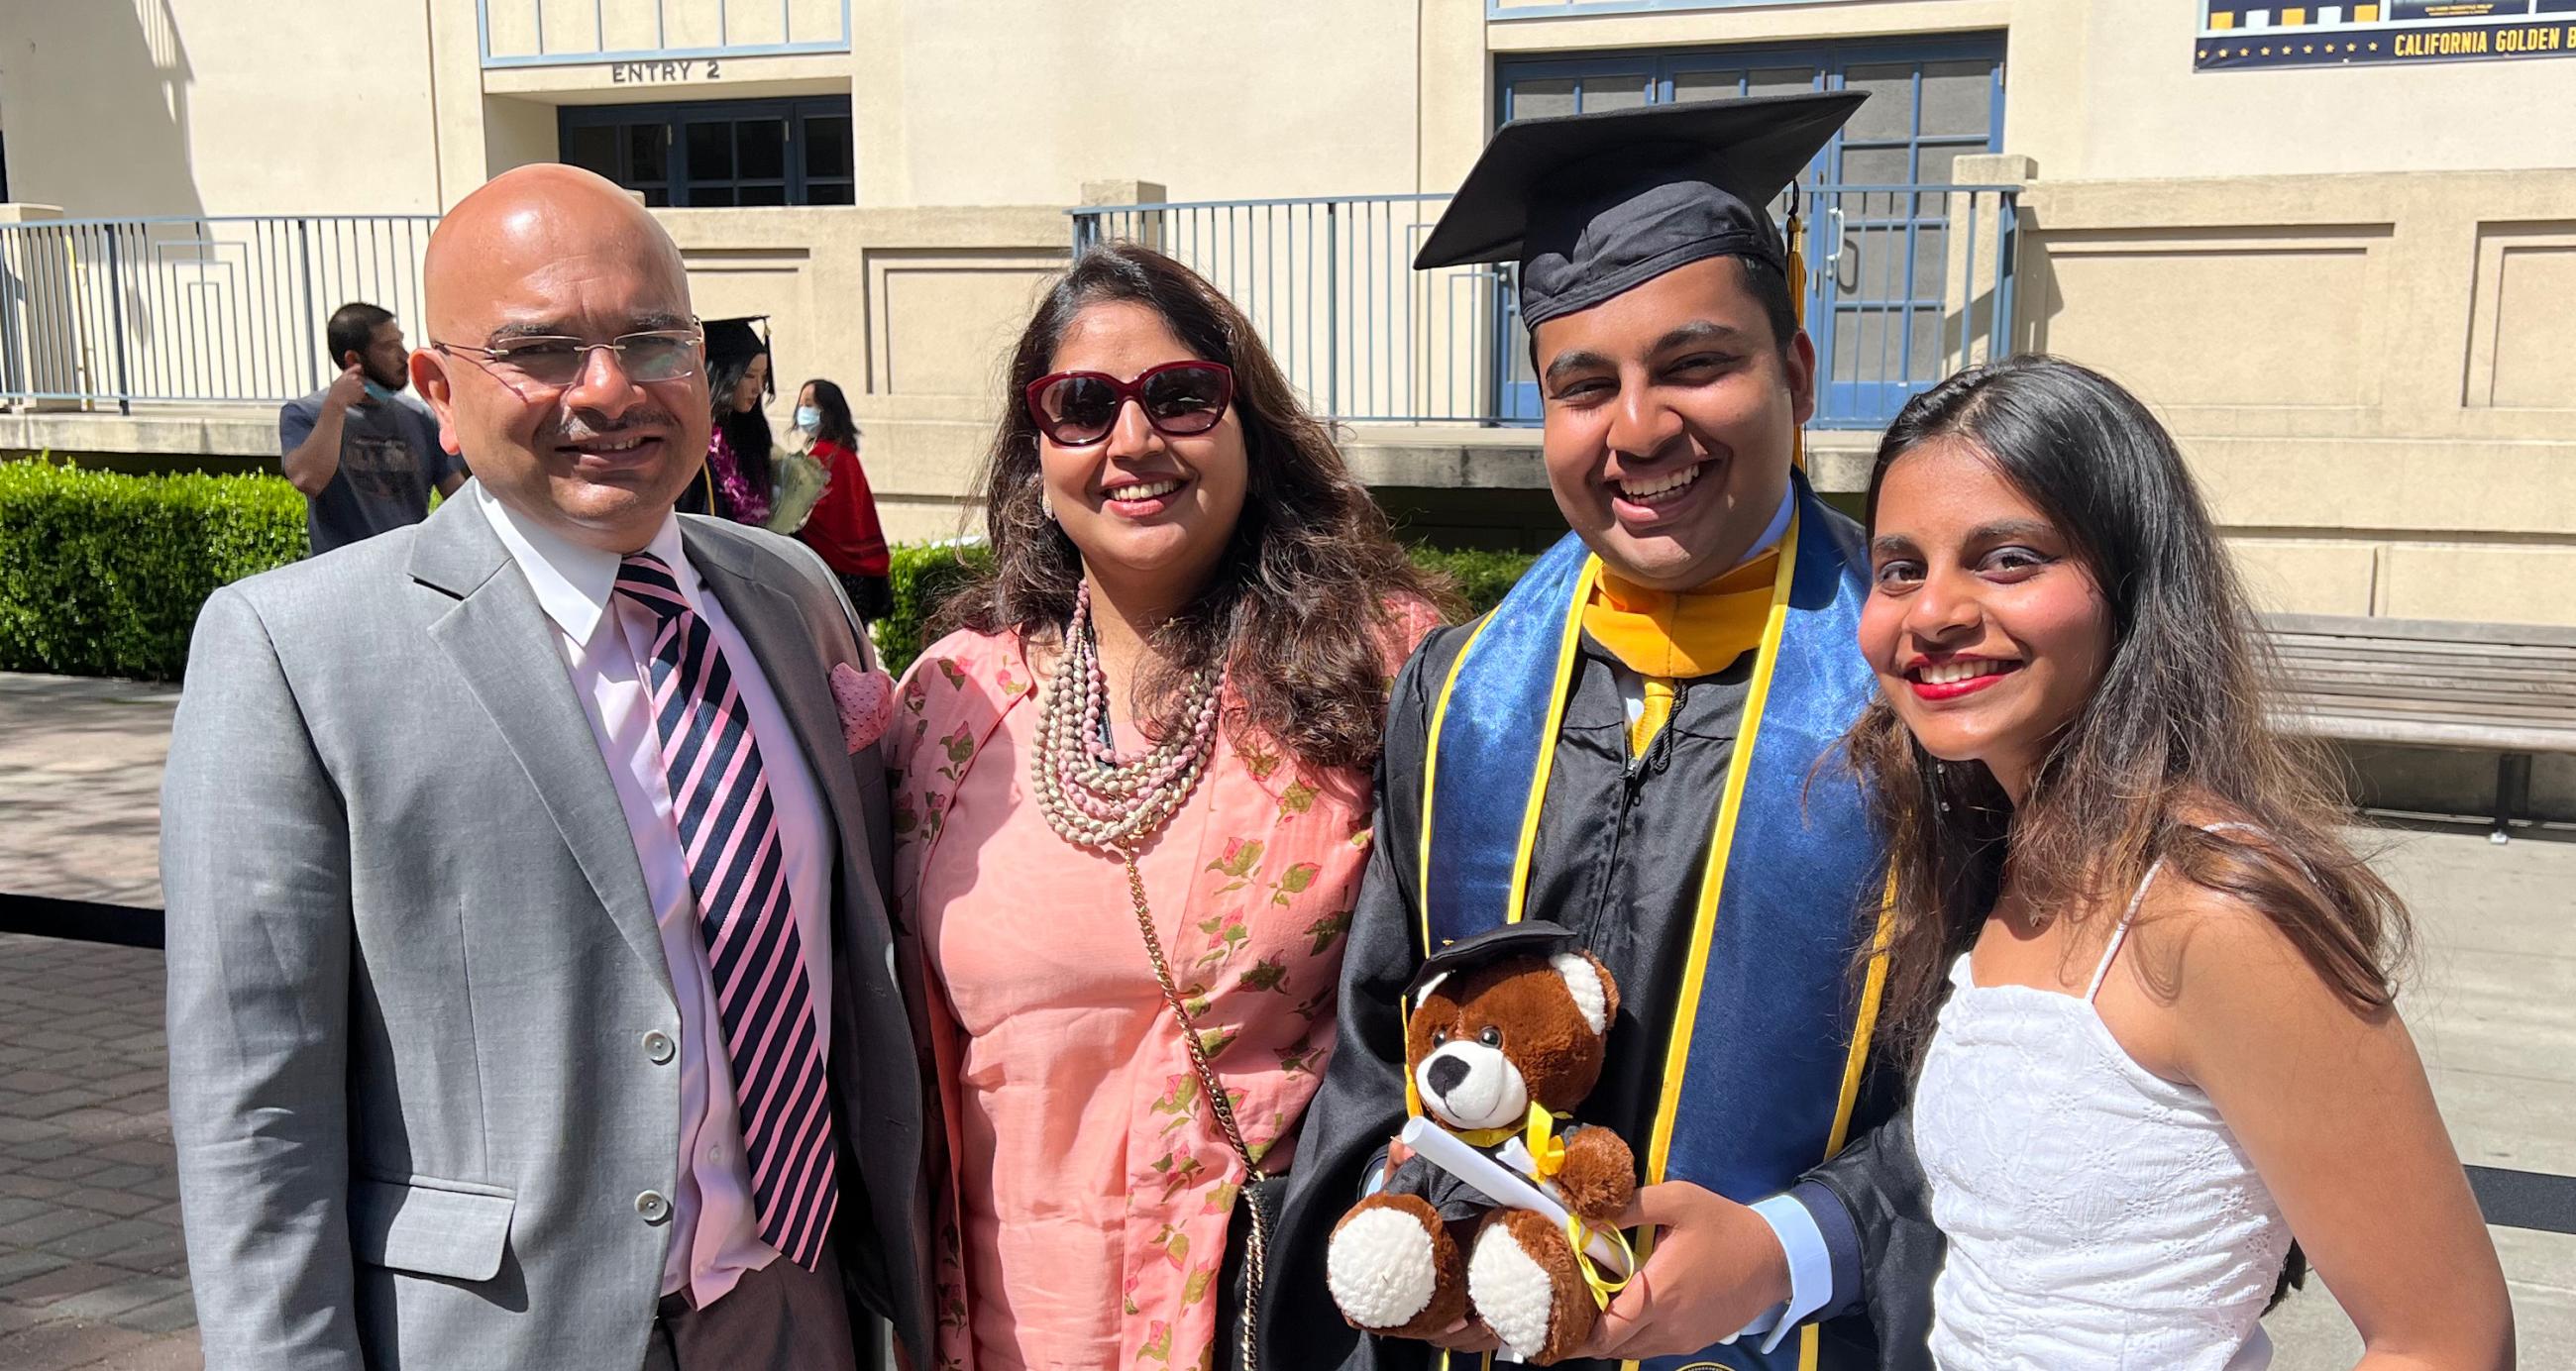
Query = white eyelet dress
x=2100 y=1217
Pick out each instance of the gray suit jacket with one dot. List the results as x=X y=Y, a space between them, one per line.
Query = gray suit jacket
x=413 y=968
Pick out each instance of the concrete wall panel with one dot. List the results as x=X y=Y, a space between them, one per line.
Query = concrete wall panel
x=2306 y=306
x=2520 y=585
x=2306 y=576
x=2529 y=361
x=941 y=321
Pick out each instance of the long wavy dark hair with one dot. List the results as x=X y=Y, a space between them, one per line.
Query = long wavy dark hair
x=1304 y=604
x=747 y=430
x=2176 y=735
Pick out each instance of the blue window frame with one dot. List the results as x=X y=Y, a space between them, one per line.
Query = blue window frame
x=718 y=152
x=1874 y=315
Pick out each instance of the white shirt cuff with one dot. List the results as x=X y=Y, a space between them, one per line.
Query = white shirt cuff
x=1811 y=1269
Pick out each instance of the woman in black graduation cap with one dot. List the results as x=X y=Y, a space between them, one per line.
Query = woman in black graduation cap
x=736 y=483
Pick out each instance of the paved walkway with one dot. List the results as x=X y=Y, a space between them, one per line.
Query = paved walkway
x=92 y=1271
x=80 y=787
x=92 y=1275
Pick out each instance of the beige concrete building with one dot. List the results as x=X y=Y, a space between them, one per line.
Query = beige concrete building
x=2348 y=281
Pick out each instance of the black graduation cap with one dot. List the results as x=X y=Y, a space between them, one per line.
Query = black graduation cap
x=1592 y=205
x=736 y=340
x=1529 y=937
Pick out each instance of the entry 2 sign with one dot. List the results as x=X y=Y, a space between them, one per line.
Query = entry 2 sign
x=2250 y=33
x=674 y=73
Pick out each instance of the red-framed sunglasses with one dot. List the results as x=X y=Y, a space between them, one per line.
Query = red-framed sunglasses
x=1180 y=399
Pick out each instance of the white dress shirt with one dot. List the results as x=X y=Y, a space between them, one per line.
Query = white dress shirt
x=606 y=641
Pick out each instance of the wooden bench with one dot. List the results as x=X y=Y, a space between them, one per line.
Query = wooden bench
x=2508 y=688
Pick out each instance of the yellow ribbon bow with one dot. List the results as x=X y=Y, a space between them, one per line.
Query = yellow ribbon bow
x=1547 y=1157
x=1547 y=1151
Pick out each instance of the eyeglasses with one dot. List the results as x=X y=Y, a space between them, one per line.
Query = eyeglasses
x=656 y=355
x=1180 y=399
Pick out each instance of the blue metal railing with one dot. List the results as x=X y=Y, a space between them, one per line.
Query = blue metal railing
x=741 y=28
x=193 y=310
x=1906 y=285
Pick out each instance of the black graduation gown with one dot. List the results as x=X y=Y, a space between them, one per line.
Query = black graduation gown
x=1618 y=859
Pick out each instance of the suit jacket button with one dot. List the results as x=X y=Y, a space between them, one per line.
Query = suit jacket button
x=652 y=1206
x=658 y=1047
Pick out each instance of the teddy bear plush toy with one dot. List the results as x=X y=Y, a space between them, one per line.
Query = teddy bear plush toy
x=1506 y=1037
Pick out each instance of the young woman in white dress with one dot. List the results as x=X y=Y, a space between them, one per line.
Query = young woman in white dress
x=2146 y=981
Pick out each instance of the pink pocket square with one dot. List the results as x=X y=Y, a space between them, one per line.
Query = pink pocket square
x=866 y=701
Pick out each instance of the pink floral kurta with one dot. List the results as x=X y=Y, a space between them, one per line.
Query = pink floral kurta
x=1084 y=1204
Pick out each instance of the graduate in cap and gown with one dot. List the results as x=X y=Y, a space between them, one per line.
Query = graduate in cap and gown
x=737 y=480
x=1639 y=744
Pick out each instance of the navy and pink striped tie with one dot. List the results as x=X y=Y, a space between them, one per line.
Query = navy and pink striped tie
x=729 y=833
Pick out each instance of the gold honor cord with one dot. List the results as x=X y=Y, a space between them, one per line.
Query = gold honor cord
x=1422 y=861
x=1568 y=646
x=1865 y=1023
x=1712 y=885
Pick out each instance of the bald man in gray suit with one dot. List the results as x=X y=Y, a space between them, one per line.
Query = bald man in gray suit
x=533 y=1001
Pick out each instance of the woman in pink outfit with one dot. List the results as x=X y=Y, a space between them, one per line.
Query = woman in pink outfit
x=1132 y=802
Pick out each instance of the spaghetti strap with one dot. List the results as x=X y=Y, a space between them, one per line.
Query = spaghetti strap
x=2120 y=934
x=2120 y=931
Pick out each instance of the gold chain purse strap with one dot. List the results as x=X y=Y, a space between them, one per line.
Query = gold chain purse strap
x=1257 y=1243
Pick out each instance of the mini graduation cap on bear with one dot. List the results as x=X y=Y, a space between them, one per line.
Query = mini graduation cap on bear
x=1527 y=937
x=1592 y=205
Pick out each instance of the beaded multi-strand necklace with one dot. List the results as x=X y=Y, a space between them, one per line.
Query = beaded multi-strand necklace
x=1093 y=795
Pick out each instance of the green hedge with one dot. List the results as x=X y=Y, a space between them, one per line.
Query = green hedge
x=102 y=574
x=921 y=577
x=1481 y=578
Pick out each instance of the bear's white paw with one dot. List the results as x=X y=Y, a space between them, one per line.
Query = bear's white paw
x=1511 y=1292
x=1379 y=1268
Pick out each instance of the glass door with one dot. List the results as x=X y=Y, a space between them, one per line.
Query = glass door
x=1879 y=241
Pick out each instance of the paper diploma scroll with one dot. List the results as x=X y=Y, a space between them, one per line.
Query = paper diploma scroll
x=1502 y=1184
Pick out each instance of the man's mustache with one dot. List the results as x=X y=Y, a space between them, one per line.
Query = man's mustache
x=655 y=424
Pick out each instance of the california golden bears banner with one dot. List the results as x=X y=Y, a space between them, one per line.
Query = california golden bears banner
x=2247 y=33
